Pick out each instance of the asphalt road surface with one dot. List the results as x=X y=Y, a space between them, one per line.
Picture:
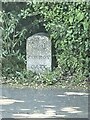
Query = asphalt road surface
x=43 y=103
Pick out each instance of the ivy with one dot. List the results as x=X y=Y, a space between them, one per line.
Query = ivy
x=67 y=23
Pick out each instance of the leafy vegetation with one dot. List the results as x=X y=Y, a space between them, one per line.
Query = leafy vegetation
x=67 y=23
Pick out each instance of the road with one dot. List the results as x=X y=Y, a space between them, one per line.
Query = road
x=43 y=103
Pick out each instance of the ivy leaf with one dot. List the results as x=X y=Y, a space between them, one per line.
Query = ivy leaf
x=79 y=15
x=85 y=25
x=71 y=20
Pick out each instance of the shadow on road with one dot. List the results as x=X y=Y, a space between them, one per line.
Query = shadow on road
x=45 y=119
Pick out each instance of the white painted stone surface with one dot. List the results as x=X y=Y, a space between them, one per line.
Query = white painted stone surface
x=38 y=50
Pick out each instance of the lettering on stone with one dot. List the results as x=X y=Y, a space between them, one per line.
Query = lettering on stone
x=38 y=50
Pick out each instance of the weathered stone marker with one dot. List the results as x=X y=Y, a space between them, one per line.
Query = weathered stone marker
x=39 y=56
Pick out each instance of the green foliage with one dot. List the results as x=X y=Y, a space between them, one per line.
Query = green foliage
x=67 y=23
x=13 y=57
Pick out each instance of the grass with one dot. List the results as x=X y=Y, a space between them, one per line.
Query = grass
x=61 y=84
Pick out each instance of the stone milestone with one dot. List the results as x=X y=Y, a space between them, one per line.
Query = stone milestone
x=38 y=50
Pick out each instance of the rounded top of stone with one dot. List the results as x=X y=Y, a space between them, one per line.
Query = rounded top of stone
x=39 y=34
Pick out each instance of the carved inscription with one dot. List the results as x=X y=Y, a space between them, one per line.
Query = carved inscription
x=39 y=57
x=38 y=53
x=41 y=67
